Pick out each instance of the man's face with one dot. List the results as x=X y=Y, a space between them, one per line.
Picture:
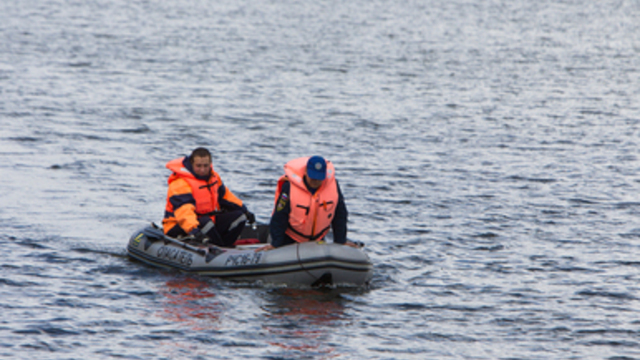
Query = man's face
x=202 y=165
x=314 y=183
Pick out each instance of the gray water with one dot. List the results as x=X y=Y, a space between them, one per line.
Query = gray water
x=488 y=152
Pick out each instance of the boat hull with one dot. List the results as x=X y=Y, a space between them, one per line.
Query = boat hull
x=306 y=264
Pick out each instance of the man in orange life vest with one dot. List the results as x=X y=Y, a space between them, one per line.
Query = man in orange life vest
x=308 y=202
x=199 y=204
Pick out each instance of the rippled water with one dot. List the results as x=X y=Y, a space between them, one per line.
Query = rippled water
x=488 y=151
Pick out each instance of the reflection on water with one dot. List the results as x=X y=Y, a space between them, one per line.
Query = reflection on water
x=290 y=323
x=190 y=301
x=300 y=321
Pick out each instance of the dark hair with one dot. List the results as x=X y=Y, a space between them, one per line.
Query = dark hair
x=199 y=152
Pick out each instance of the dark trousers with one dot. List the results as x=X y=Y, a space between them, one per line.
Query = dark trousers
x=228 y=227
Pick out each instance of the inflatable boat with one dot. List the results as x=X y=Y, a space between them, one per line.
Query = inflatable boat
x=301 y=264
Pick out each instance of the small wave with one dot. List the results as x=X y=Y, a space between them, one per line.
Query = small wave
x=142 y=293
x=71 y=303
x=153 y=337
x=606 y=294
x=77 y=165
x=28 y=332
x=49 y=330
x=85 y=250
x=410 y=306
x=487 y=235
x=40 y=345
x=583 y=201
x=55 y=258
x=417 y=231
x=606 y=331
x=103 y=36
x=460 y=308
x=17 y=284
x=532 y=179
x=332 y=69
x=25 y=139
x=16 y=114
x=31 y=244
x=632 y=235
x=490 y=248
x=627 y=205
x=615 y=343
x=415 y=259
x=628 y=263
x=596 y=112
x=445 y=337
x=80 y=64
x=140 y=130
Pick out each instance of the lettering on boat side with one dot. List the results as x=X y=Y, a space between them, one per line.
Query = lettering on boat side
x=175 y=255
x=137 y=239
x=243 y=259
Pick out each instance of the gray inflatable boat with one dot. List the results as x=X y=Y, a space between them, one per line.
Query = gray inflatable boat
x=301 y=264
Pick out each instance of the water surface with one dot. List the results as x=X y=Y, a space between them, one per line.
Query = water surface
x=487 y=151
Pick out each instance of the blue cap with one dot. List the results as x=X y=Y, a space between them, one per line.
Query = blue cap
x=316 y=168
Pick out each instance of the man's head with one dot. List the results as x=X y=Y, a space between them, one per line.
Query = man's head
x=316 y=171
x=200 y=159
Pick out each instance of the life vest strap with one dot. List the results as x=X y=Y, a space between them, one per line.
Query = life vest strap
x=307 y=208
x=208 y=186
x=211 y=213
x=311 y=238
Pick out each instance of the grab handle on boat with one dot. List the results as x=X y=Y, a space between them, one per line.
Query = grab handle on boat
x=160 y=236
x=184 y=245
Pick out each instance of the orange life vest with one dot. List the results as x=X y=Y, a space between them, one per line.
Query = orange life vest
x=205 y=193
x=311 y=214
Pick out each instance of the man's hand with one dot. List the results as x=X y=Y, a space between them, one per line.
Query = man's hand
x=199 y=236
x=356 y=244
x=265 y=248
x=250 y=217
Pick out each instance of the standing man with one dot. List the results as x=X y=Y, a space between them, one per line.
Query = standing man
x=199 y=204
x=308 y=203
